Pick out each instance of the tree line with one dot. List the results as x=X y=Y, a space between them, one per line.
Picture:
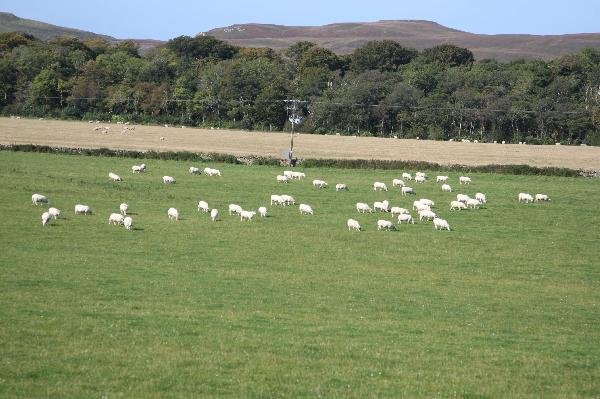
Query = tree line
x=381 y=89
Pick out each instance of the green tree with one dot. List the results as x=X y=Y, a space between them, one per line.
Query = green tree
x=384 y=55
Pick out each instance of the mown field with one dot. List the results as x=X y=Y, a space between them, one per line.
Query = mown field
x=505 y=305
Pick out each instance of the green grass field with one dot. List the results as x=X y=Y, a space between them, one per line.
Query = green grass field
x=505 y=305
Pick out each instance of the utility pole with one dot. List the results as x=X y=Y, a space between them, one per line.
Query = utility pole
x=295 y=119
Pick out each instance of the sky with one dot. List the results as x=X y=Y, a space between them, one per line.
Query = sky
x=160 y=19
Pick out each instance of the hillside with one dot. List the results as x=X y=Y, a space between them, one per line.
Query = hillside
x=345 y=37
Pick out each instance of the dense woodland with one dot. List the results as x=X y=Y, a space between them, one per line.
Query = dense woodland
x=381 y=89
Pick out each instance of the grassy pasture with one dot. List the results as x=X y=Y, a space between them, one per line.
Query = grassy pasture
x=505 y=305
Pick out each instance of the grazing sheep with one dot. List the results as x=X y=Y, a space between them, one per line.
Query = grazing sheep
x=384 y=225
x=361 y=207
x=462 y=198
x=194 y=170
x=262 y=211
x=422 y=174
x=298 y=175
x=382 y=206
x=288 y=173
x=407 y=190
x=398 y=182
x=235 y=209
x=54 y=212
x=277 y=200
x=123 y=208
x=441 y=224
x=203 y=206
x=473 y=203
x=427 y=215
x=464 y=180
x=457 y=205
x=173 y=214
x=406 y=176
x=419 y=206
x=446 y=188
x=442 y=179
x=46 y=217
x=282 y=179
x=288 y=199
x=480 y=197
x=396 y=210
x=525 y=197
x=85 y=209
x=420 y=179
x=353 y=225
x=114 y=176
x=340 y=187
x=319 y=183
x=138 y=168
x=305 y=209
x=116 y=219
x=168 y=179
x=128 y=222
x=542 y=197
x=427 y=202
x=247 y=215
x=212 y=172
x=379 y=186
x=214 y=214
x=405 y=217
x=38 y=199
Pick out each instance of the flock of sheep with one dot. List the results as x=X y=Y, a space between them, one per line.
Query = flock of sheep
x=424 y=206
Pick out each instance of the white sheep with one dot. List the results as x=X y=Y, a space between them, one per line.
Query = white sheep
x=116 y=219
x=288 y=199
x=406 y=176
x=405 y=217
x=282 y=179
x=419 y=206
x=384 y=225
x=462 y=198
x=288 y=173
x=173 y=214
x=442 y=179
x=114 y=176
x=441 y=224
x=212 y=172
x=214 y=214
x=407 y=190
x=422 y=174
x=473 y=203
x=382 y=206
x=525 y=197
x=420 y=179
x=481 y=197
x=298 y=175
x=340 y=187
x=446 y=188
x=262 y=211
x=379 y=186
x=38 y=199
x=353 y=225
x=426 y=214
x=168 y=179
x=203 y=206
x=361 y=207
x=247 y=215
x=194 y=170
x=123 y=208
x=235 y=209
x=305 y=209
x=138 y=168
x=427 y=202
x=464 y=180
x=277 y=200
x=542 y=197
x=85 y=209
x=128 y=222
x=54 y=212
x=457 y=205
x=46 y=217
x=396 y=210
x=397 y=182
x=319 y=183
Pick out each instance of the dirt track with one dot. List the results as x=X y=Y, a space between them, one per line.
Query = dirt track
x=81 y=134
